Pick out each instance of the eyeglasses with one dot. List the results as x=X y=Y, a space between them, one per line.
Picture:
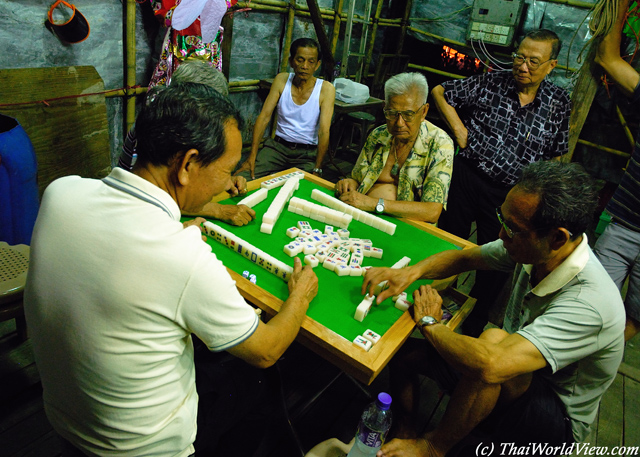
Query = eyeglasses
x=511 y=233
x=508 y=230
x=392 y=114
x=532 y=63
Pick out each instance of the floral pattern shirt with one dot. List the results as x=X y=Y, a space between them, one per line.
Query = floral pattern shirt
x=425 y=175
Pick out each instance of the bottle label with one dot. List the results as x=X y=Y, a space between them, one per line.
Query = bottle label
x=370 y=438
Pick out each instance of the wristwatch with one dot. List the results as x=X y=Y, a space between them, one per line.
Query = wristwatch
x=427 y=321
x=317 y=170
x=380 y=206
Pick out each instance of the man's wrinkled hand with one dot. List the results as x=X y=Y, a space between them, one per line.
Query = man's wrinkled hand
x=346 y=185
x=303 y=281
x=398 y=280
x=358 y=200
x=427 y=302
x=236 y=214
x=238 y=186
x=198 y=221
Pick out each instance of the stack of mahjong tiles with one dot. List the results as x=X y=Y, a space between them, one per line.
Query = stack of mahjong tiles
x=355 y=213
x=255 y=198
x=277 y=205
x=246 y=249
x=335 y=250
x=319 y=213
x=280 y=180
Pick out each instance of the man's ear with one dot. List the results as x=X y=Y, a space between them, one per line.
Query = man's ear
x=559 y=237
x=186 y=167
x=426 y=110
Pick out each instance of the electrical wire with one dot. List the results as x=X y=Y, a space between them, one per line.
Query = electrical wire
x=487 y=55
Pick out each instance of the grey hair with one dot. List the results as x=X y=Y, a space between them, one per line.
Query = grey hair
x=199 y=72
x=403 y=83
x=568 y=197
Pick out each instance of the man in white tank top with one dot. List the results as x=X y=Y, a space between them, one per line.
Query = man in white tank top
x=305 y=108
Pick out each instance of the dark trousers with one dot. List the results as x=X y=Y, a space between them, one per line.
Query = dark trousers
x=472 y=197
x=238 y=405
x=537 y=416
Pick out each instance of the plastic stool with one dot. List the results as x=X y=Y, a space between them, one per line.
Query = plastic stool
x=14 y=264
x=355 y=123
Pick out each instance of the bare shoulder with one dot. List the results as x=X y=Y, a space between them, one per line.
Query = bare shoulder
x=327 y=93
x=327 y=88
x=280 y=81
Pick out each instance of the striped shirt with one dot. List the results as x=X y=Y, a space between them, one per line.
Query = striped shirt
x=504 y=136
x=624 y=206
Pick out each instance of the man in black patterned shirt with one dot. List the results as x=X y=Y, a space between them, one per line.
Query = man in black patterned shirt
x=501 y=121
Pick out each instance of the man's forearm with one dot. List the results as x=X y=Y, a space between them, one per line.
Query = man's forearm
x=421 y=211
x=287 y=322
x=448 y=112
x=449 y=263
x=258 y=134
x=323 y=146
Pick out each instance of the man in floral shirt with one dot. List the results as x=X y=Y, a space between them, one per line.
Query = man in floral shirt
x=405 y=166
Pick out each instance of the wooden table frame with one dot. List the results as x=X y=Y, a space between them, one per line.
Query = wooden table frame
x=362 y=365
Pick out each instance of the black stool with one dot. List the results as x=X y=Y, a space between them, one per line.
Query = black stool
x=354 y=126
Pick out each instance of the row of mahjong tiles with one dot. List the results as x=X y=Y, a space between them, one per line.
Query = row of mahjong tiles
x=338 y=297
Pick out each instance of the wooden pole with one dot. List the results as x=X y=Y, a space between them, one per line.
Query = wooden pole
x=287 y=41
x=130 y=77
x=372 y=38
x=405 y=26
x=227 y=40
x=336 y=27
x=582 y=97
x=327 y=56
x=625 y=126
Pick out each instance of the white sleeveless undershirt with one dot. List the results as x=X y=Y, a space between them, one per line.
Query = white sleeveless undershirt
x=299 y=123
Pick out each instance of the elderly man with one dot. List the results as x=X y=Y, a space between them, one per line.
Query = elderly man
x=539 y=380
x=305 y=108
x=405 y=166
x=618 y=248
x=196 y=71
x=117 y=286
x=501 y=121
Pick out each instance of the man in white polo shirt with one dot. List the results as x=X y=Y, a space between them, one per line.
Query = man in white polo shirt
x=305 y=107
x=117 y=286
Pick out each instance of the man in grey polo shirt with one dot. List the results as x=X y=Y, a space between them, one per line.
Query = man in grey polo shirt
x=541 y=378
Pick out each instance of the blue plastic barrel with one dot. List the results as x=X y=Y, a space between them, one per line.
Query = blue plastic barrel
x=18 y=183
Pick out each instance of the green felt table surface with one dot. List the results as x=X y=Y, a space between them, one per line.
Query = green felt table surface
x=338 y=297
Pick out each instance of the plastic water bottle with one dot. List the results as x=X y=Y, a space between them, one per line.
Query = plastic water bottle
x=373 y=427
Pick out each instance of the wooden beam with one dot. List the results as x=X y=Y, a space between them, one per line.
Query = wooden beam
x=582 y=97
x=227 y=40
x=327 y=56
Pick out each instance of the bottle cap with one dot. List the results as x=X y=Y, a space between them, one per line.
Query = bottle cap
x=384 y=401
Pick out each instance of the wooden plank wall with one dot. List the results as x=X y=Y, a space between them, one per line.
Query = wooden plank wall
x=70 y=135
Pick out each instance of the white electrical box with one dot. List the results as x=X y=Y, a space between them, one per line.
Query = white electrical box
x=495 y=21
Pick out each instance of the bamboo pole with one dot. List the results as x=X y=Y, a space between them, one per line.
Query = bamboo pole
x=246 y=82
x=284 y=65
x=372 y=39
x=604 y=148
x=336 y=27
x=130 y=40
x=625 y=126
x=436 y=71
x=323 y=39
x=405 y=26
x=236 y=89
x=227 y=41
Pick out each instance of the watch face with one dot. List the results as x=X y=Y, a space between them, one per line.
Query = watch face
x=428 y=320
